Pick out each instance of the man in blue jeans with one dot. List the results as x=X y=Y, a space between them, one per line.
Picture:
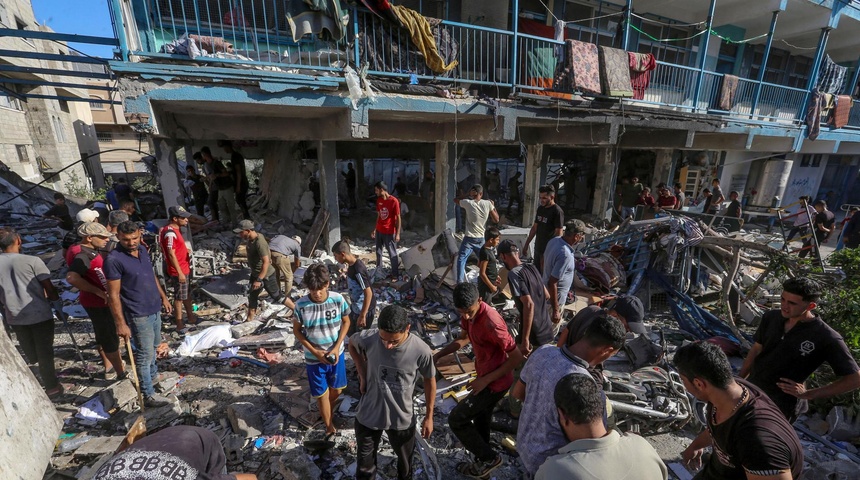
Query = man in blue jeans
x=135 y=299
x=477 y=211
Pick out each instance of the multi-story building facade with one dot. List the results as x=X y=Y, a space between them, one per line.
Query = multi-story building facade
x=120 y=143
x=724 y=93
x=44 y=125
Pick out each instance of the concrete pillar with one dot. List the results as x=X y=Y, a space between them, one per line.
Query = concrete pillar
x=535 y=162
x=604 y=185
x=663 y=167
x=481 y=171
x=168 y=173
x=446 y=187
x=327 y=159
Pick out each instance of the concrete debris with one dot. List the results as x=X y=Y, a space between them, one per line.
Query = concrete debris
x=245 y=419
x=296 y=464
x=118 y=395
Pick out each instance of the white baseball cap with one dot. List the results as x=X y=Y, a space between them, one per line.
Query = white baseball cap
x=87 y=215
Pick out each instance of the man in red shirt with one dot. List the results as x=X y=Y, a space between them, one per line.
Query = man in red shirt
x=85 y=274
x=178 y=260
x=387 y=231
x=496 y=356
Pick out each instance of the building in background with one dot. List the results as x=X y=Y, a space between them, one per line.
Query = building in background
x=113 y=132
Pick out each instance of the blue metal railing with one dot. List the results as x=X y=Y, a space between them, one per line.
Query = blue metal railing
x=257 y=34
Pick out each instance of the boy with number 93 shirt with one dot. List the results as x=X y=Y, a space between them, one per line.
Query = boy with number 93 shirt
x=320 y=326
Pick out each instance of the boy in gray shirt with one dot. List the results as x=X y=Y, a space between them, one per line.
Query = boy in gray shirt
x=394 y=358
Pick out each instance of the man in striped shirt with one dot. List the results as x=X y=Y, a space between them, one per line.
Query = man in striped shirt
x=320 y=325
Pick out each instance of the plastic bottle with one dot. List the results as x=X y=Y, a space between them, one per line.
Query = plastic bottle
x=73 y=443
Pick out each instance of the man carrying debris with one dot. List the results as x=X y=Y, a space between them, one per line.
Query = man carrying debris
x=477 y=211
x=539 y=434
x=320 y=326
x=284 y=247
x=594 y=451
x=496 y=356
x=560 y=266
x=790 y=344
x=548 y=223
x=387 y=231
x=388 y=361
x=178 y=260
x=26 y=292
x=260 y=262
x=86 y=273
x=135 y=299
x=60 y=211
x=749 y=436
x=361 y=294
x=181 y=452
x=822 y=227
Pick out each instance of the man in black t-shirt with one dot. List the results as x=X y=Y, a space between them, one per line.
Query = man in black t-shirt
x=822 y=227
x=530 y=296
x=362 y=299
x=790 y=344
x=749 y=436
x=189 y=453
x=239 y=175
x=488 y=266
x=734 y=209
x=548 y=223
x=60 y=211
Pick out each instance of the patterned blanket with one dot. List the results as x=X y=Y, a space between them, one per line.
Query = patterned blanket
x=831 y=76
x=580 y=70
x=728 y=92
x=615 y=72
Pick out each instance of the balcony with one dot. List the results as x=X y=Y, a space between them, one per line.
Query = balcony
x=256 y=34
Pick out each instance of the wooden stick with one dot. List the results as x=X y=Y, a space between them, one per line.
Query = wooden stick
x=134 y=372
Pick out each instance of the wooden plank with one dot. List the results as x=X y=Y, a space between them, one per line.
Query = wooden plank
x=309 y=244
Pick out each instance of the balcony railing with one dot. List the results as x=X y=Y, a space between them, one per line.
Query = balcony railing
x=256 y=34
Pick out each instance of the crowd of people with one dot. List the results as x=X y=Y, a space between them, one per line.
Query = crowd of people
x=550 y=371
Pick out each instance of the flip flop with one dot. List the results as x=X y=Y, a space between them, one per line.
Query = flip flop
x=110 y=374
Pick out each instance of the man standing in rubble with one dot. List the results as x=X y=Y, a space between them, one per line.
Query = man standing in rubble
x=496 y=356
x=749 y=436
x=734 y=209
x=178 y=260
x=361 y=294
x=387 y=231
x=239 y=175
x=135 y=299
x=388 y=362
x=262 y=272
x=717 y=198
x=286 y=258
x=115 y=218
x=477 y=211
x=629 y=193
x=539 y=434
x=790 y=344
x=349 y=177
x=548 y=224
x=26 y=292
x=530 y=296
x=320 y=325
x=822 y=226
x=86 y=273
x=224 y=184
x=560 y=267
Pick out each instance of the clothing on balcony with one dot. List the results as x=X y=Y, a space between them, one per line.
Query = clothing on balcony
x=842 y=110
x=817 y=102
x=580 y=70
x=641 y=65
x=385 y=50
x=728 y=92
x=615 y=70
x=540 y=69
x=831 y=76
x=422 y=38
x=319 y=17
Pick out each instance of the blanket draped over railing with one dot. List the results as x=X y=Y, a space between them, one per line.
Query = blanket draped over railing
x=641 y=65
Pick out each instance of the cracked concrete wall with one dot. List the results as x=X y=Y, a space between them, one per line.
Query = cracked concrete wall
x=284 y=181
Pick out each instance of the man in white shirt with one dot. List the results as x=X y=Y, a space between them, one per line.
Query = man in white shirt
x=477 y=211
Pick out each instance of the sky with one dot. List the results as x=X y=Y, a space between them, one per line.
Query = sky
x=85 y=17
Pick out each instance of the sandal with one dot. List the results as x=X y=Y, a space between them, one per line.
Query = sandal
x=110 y=374
x=479 y=469
x=56 y=392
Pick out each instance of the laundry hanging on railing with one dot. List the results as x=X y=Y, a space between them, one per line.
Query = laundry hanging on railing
x=386 y=50
x=830 y=76
x=728 y=92
x=817 y=102
x=641 y=65
x=382 y=9
x=841 y=110
x=422 y=38
x=615 y=72
x=580 y=70
x=325 y=18
x=540 y=69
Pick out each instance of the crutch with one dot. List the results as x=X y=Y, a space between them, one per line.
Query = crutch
x=134 y=372
x=62 y=315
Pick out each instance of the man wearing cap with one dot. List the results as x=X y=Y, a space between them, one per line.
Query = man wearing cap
x=477 y=211
x=86 y=273
x=560 y=266
x=178 y=259
x=549 y=220
x=387 y=231
x=135 y=299
x=284 y=247
x=72 y=239
x=262 y=271
x=627 y=308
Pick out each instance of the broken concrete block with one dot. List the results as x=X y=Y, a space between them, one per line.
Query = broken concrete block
x=842 y=426
x=233 y=445
x=101 y=445
x=817 y=425
x=156 y=417
x=295 y=464
x=245 y=419
x=118 y=395
x=168 y=382
x=245 y=329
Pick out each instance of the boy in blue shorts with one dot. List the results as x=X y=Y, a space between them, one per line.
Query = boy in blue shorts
x=320 y=324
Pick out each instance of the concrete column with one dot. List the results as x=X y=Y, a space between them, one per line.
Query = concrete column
x=327 y=159
x=446 y=187
x=604 y=185
x=535 y=162
x=168 y=173
x=481 y=171
x=663 y=167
